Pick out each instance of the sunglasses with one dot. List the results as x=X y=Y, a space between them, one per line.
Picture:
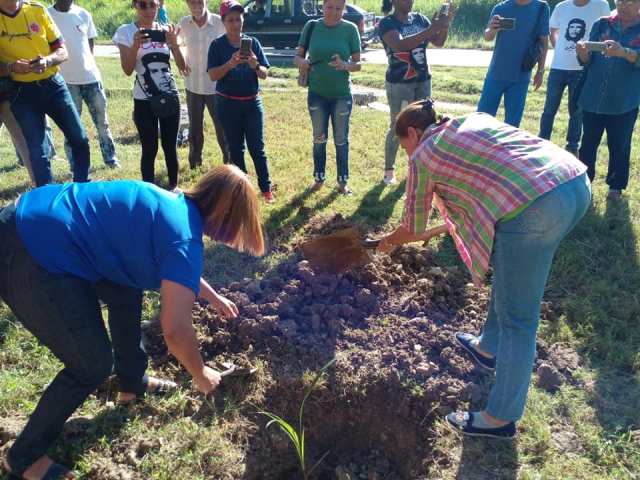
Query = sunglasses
x=146 y=5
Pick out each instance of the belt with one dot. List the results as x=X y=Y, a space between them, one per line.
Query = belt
x=42 y=81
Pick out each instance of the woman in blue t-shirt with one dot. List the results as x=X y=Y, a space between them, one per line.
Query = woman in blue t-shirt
x=64 y=248
x=238 y=105
x=405 y=35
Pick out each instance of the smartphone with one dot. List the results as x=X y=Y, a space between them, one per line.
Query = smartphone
x=245 y=47
x=444 y=10
x=595 y=46
x=507 y=24
x=159 y=36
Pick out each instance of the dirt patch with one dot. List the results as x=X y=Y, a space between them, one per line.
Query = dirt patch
x=390 y=324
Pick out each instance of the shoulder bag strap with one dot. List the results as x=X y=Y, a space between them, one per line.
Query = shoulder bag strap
x=307 y=41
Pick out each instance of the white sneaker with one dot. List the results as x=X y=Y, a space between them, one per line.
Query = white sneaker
x=389 y=179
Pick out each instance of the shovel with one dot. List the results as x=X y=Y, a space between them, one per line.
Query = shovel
x=338 y=251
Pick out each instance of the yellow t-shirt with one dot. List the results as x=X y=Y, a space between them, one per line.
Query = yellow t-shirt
x=25 y=35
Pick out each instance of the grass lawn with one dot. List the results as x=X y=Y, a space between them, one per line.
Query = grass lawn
x=590 y=430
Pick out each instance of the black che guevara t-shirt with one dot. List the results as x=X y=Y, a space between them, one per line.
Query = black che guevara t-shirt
x=410 y=66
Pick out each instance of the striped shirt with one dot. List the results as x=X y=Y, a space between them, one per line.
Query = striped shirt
x=477 y=170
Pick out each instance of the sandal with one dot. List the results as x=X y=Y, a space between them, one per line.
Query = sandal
x=54 y=472
x=466 y=340
x=463 y=423
x=155 y=386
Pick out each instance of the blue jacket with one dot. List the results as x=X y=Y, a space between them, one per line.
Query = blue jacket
x=612 y=84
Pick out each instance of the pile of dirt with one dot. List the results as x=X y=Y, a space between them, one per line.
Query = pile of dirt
x=389 y=323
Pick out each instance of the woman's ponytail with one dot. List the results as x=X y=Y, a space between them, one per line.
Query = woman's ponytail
x=387 y=6
x=419 y=115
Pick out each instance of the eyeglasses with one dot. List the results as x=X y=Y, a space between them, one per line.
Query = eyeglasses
x=146 y=5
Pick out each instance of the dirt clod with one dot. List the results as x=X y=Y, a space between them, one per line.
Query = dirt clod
x=549 y=378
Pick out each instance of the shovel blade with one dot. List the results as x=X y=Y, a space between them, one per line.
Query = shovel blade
x=336 y=252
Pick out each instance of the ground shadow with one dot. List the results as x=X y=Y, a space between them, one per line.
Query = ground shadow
x=10 y=168
x=376 y=210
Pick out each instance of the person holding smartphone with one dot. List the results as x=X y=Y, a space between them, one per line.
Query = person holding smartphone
x=236 y=63
x=513 y=25
x=405 y=36
x=571 y=21
x=611 y=94
x=31 y=50
x=333 y=48
x=145 y=49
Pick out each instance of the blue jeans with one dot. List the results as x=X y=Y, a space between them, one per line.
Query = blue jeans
x=63 y=313
x=244 y=120
x=50 y=97
x=338 y=110
x=399 y=95
x=93 y=95
x=49 y=148
x=515 y=97
x=619 y=133
x=556 y=83
x=522 y=255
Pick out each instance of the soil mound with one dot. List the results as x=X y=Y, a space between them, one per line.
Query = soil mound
x=390 y=323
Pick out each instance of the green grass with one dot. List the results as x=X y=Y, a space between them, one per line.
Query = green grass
x=585 y=431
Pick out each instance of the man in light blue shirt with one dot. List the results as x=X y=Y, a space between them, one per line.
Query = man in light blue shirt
x=529 y=20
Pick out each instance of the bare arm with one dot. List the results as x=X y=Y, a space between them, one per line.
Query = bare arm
x=436 y=34
x=539 y=76
x=492 y=28
x=58 y=55
x=180 y=336
x=223 y=306
x=553 y=36
x=401 y=235
x=218 y=73
x=91 y=44
x=128 y=57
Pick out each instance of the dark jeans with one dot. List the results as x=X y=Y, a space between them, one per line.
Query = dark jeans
x=619 y=130
x=244 y=120
x=63 y=313
x=195 y=109
x=338 y=110
x=556 y=83
x=147 y=124
x=50 y=97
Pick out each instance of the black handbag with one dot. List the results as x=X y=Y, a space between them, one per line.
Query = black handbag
x=535 y=49
x=163 y=104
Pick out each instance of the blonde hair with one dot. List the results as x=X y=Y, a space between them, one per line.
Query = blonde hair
x=419 y=115
x=230 y=208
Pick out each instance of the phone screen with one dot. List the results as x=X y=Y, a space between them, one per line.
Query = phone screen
x=159 y=36
x=507 y=23
x=245 y=47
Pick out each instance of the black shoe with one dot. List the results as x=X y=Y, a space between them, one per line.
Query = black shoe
x=465 y=340
x=463 y=423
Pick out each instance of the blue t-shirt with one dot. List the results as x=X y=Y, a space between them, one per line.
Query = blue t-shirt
x=241 y=81
x=128 y=232
x=410 y=66
x=511 y=45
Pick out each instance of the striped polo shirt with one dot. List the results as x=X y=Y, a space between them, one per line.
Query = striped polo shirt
x=477 y=170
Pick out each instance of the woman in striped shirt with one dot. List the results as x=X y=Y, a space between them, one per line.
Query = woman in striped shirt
x=507 y=198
